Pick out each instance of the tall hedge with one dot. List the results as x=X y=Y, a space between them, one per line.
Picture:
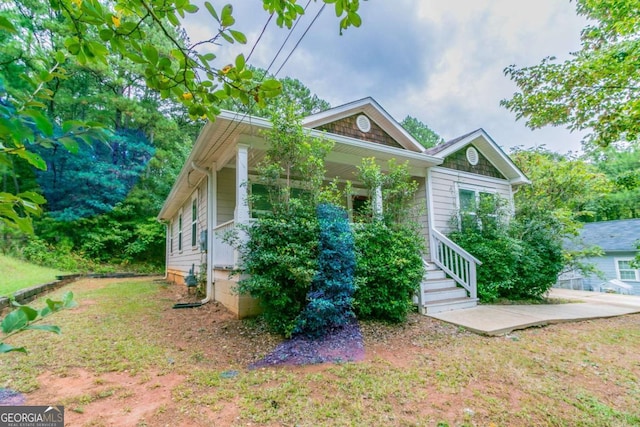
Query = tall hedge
x=330 y=298
x=280 y=259
x=388 y=270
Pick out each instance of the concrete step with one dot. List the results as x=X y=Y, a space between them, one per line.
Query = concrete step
x=448 y=305
x=430 y=284
x=435 y=295
x=434 y=275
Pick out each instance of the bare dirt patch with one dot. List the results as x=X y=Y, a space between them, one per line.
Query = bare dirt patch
x=419 y=373
x=112 y=398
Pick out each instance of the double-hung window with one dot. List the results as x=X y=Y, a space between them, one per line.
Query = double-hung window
x=194 y=222
x=626 y=271
x=472 y=202
x=180 y=232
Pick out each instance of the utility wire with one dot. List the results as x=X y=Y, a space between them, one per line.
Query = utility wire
x=224 y=133
x=300 y=40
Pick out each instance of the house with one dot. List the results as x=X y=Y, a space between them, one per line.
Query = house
x=618 y=240
x=210 y=194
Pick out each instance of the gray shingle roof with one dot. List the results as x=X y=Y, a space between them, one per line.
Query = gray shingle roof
x=612 y=236
x=438 y=148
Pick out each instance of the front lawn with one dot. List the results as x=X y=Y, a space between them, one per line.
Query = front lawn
x=125 y=357
x=17 y=274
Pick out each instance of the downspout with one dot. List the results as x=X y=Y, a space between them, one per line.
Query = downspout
x=209 y=172
x=166 y=250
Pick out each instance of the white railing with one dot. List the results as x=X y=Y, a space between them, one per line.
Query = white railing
x=455 y=261
x=224 y=253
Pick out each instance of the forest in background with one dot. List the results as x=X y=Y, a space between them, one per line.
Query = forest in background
x=103 y=195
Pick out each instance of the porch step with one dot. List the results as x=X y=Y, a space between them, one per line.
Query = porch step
x=433 y=284
x=439 y=293
x=448 y=305
x=443 y=294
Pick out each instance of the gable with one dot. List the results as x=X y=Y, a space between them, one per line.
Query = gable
x=385 y=130
x=348 y=127
x=458 y=161
x=492 y=161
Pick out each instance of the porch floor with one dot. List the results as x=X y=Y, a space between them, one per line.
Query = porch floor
x=503 y=319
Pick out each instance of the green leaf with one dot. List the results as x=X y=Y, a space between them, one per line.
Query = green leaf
x=68 y=301
x=191 y=8
x=41 y=120
x=212 y=11
x=226 y=19
x=14 y=321
x=238 y=36
x=6 y=348
x=33 y=196
x=106 y=34
x=60 y=57
x=173 y=19
x=355 y=19
x=70 y=144
x=31 y=313
x=151 y=53
x=6 y=25
x=34 y=159
x=47 y=328
x=271 y=84
x=240 y=62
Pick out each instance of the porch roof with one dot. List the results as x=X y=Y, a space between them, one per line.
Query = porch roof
x=217 y=142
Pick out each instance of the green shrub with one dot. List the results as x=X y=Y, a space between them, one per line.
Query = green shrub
x=521 y=257
x=330 y=299
x=59 y=257
x=388 y=270
x=281 y=260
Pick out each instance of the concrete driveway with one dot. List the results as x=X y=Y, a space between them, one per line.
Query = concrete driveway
x=502 y=319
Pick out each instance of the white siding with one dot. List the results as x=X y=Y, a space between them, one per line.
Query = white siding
x=226 y=197
x=445 y=183
x=189 y=255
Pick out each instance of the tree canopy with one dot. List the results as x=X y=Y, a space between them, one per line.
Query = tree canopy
x=65 y=49
x=597 y=89
x=421 y=132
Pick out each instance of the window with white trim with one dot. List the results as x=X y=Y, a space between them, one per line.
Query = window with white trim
x=171 y=225
x=471 y=201
x=194 y=222
x=626 y=271
x=180 y=232
x=260 y=199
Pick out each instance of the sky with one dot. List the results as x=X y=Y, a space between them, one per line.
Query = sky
x=439 y=61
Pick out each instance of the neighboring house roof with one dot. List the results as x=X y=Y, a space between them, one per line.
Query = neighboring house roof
x=488 y=147
x=612 y=236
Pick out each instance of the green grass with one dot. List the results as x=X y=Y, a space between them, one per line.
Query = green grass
x=571 y=374
x=17 y=274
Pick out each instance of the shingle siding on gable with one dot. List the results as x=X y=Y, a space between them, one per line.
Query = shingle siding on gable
x=458 y=161
x=348 y=127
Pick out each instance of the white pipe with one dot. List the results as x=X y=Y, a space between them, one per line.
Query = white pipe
x=166 y=247
x=209 y=172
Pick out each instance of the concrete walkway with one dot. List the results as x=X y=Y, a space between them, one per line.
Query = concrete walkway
x=502 y=319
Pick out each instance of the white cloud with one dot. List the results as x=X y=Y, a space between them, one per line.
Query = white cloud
x=441 y=62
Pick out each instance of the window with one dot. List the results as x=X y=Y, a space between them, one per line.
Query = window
x=171 y=225
x=260 y=198
x=180 y=232
x=471 y=202
x=194 y=222
x=626 y=270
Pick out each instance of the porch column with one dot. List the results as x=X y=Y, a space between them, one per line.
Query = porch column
x=377 y=202
x=241 y=214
